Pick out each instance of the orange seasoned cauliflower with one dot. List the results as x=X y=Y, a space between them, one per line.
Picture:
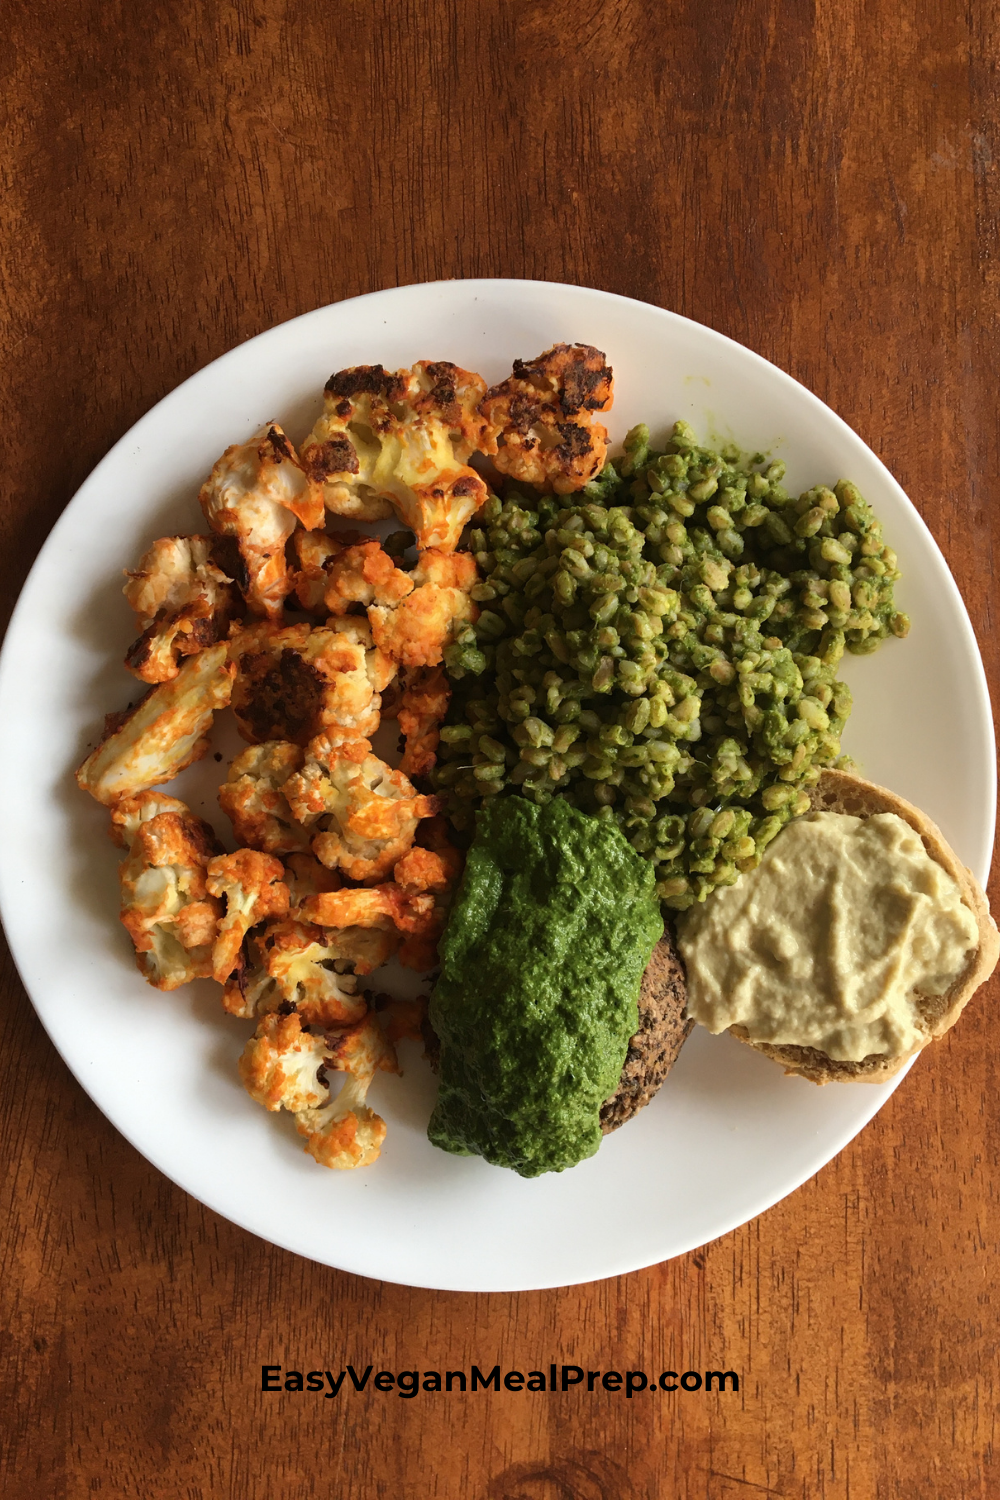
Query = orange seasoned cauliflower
x=314 y=549
x=166 y=731
x=289 y=962
x=416 y=631
x=361 y=950
x=253 y=799
x=448 y=394
x=166 y=906
x=183 y=603
x=257 y=492
x=299 y=681
x=384 y=906
x=305 y=876
x=435 y=835
x=364 y=815
x=424 y=703
x=345 y=1133
x=417 y=916
x=539 y=423
x=400 y=440
x=253 y=889
x=364 y=574
x=422 y=870
x=303 y=962
x=283 y=1066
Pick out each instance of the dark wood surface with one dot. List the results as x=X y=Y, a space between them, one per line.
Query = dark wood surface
x=821 y=184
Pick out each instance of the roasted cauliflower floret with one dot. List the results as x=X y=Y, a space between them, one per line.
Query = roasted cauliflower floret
x=300 y=681
x=451 y=396
x=400 y=440
x=288 y=962
x=422 y=870
x=417 y=917
x=253 y=888
x=385 y=906
x=165 y=732
x=359 y=949
x=283 y=1066
x=364 y=574
x=256 y=492
x=426 y=872
x=413 y=909
x=364 y=814
x=404 y=1020
x=305 y=876
x=314 y=549
x=416 y=631
x=343 y=451
x=166 y=906
x=183 y=603
x=253 y=798
x=362 y=949
x=345 y=1133
x=424 y=703
x=539 y=423
x=311 y=972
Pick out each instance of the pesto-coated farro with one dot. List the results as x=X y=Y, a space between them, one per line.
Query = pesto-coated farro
x=661 y=650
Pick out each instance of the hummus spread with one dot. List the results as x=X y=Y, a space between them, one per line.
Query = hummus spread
x=828 y=943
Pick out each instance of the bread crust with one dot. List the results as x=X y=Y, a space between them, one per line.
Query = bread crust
x=842 y=792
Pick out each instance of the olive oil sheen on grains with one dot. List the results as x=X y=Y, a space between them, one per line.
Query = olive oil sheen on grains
x=541 y=964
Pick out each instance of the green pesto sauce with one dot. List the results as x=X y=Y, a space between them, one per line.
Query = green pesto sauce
x=541 y=964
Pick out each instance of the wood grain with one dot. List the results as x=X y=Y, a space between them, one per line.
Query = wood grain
x=819 y=183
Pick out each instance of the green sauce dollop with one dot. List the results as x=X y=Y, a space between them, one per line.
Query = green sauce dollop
x=541 y=964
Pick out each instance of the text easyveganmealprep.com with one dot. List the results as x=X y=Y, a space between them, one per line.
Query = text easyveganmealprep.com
x=409 y=1383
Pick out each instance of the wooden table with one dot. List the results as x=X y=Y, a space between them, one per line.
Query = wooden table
x=820 y=184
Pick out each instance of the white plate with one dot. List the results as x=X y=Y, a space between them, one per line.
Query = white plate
x=728 y=1135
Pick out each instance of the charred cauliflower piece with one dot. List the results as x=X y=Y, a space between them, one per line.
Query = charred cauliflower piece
x=434 y=836
x=257 y=492
x=416 y=630
x=400 y=440
x=165 y=732
x=362 y=949
x=448 y=394
x=285 y=1066
x=253 y=798
x=345 y=1133
x=300 y=681
x=344 y=451
x=539 y=424
x=166 y=906
x=253 y=889
x=430 y=870
x=183 y=603
x=366 y=813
